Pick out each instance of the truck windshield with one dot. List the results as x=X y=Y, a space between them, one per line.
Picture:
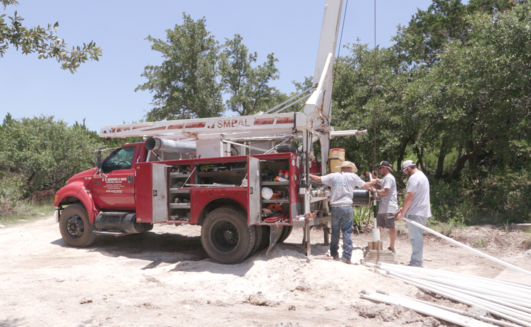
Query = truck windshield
x=119 y=160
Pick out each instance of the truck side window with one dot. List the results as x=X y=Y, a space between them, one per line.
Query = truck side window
x=119 y=160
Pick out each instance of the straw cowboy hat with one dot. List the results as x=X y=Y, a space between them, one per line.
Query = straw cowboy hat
x=348 y=164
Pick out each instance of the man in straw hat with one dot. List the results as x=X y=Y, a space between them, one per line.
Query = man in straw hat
x=388 y=201
x=416 y=207
x=342 y=185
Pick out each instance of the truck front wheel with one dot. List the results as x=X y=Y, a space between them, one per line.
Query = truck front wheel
x=226 y=237
x=75 y=226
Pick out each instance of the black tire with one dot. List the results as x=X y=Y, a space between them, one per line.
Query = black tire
x=264 y=243
x=286 y=231
x=75 y=226
x=226 y=237
x=258 y=234
x=150 y=227
x=143 y=227
x=259 y=230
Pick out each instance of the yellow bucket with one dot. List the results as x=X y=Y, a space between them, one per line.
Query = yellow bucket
x=335 y=157
x=333 y=163
x=337 y=153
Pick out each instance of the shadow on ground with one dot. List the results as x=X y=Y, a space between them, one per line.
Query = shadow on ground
x=154 y=247
x=11 y=322
x=186 y=252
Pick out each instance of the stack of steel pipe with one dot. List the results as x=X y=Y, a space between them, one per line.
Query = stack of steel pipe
x=506 y=300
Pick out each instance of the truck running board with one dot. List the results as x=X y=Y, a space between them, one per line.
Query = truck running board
x=97 y=232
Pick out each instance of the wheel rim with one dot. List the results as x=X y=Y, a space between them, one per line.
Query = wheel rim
x=75 y=226
x=224 y=236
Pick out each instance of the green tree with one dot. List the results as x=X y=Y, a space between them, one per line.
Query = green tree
x=423 y=40
x=44 y=151
x=247 y=86
x=187 y=83
x=428 y=31
x=487 y=87
x=385 y=107
x=44 y=41
x=492 y=6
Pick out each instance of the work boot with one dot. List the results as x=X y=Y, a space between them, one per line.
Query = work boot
x=417 y=266
x=392 y=250
x=348 y=262
x=335 y=258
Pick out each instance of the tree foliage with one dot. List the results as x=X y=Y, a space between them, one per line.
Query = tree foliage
x=186 y=84
x=43 y=41
x=197 y=71
x=248 y=87
x=424 y=38
x=452 y=94
x=44 y=152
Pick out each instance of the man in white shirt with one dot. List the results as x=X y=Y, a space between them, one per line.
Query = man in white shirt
x=342 y=185
x=388 y=202
x=416 y=208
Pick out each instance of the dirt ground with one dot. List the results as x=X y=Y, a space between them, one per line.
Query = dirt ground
x=164 y=278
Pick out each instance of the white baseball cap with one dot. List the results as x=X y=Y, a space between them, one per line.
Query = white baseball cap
x=408 y=163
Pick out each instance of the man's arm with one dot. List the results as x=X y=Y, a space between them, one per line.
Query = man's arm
x=371 y=183
x=315 y=178
x=383 y=192
x=407 y=204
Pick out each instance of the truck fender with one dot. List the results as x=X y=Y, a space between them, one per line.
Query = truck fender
x=78 y=191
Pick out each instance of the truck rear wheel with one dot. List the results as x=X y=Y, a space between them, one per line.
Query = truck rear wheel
x=264 y=242
x=226 y=237
x=259 y=230
x=75 y=226
x=286 y=231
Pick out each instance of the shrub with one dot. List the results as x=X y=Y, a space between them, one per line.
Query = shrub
x=480 y=242
x=11 y=191
x=361 y=217
x=498 y=196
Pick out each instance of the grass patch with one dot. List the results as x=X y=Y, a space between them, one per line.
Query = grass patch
x=480 y=243
x=445 y=228
x=401 y=229
x=25 y=211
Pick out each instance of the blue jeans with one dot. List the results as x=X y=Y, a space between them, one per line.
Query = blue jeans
x=415 y=237
x=341 y=220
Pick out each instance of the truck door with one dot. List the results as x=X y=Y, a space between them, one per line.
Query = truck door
x=255 y=206
x=114 y=188
x=160 y=192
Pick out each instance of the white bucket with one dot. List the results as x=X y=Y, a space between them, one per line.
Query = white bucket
x=376 y=235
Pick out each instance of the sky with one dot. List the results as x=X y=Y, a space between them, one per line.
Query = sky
x=103 y=92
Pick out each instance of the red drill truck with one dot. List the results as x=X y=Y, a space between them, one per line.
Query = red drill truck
x=128 y=195
x=240 y=178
